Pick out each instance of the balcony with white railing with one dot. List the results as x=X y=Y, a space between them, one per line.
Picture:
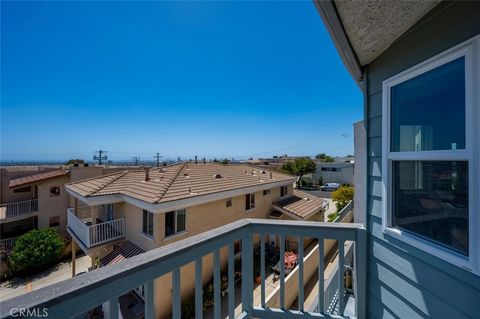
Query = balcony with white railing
x=16 y=209
x=90 y=231
x=104 y=286
x=7 y=244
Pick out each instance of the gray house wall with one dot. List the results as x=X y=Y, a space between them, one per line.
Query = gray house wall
x=403 y=281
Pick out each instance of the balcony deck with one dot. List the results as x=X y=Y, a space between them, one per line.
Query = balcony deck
x=104 y=286
x=88 y=234
x=18 y=209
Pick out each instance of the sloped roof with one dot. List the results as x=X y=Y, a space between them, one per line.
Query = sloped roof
x=36 y=178
x=301 y=204
x=178 y=181
x=125 y=250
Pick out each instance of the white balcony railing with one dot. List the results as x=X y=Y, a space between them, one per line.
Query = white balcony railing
x=78 y=295
x=15 y=209
x=7 y=244
x=91 y=234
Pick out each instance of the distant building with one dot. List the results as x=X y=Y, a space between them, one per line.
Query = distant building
x=333 y=172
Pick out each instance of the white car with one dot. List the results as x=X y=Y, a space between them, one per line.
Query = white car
x=330 y=187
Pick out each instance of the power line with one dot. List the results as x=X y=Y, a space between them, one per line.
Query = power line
x=157 y=157
x=100 y=157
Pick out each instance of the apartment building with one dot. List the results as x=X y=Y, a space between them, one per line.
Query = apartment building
x=126 y=213
x=334 y=172
x=34 y=197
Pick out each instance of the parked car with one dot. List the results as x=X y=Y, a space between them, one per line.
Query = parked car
x=330 y=187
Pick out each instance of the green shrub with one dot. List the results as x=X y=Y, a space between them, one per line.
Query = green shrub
x=36 y=249
x=342 y=196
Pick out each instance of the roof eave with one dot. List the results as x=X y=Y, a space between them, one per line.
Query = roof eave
x=333 y=22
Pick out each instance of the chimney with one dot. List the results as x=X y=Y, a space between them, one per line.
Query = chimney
x=196 y=162
x=147 y=174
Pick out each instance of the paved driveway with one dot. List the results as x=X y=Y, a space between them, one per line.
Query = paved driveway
x=19 y=286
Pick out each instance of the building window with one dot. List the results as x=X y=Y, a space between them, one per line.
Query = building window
x=147 y=227
x=324 y=169
x=428 y=155
x=266 y=192
x=54 y=221
x=283 y=191
x=228 y=202
x=26 y=189
x=175 y=222
x=54 y=191
x=249 y=201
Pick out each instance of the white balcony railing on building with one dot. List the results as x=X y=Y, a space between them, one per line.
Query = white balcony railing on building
x=80 y=294
x=7 y=244
x=93 y=234
x=19 y=208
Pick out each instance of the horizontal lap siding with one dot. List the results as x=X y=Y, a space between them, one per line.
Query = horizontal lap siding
x=404 y=282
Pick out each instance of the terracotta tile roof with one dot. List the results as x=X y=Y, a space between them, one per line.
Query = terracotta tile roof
x=301 y=204
x=178 y=181
x=125 y=250
x=36 y=178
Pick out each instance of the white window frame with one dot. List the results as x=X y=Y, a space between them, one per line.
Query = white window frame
x=469 y=49
x=252 y=203
x=175 y=222
x=148 y=224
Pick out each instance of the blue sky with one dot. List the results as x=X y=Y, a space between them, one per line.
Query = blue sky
x=216 y=79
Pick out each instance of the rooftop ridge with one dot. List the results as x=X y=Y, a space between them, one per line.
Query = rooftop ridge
x=120 y=175
x=159 y=197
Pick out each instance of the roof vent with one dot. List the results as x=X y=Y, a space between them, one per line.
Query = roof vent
x=271 y=175
x=218 y=176
x=186 y=175
x=263 y=172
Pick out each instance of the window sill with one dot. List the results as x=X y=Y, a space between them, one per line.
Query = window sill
x=146 y=236
x=250 y=210
x=179 y=234
x=433 y=249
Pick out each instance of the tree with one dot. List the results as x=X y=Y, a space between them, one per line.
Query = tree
x=299 y=167
x=320 y=156
x=342 y=196
x=36 y=249
x=328 y=159
x=75 y=161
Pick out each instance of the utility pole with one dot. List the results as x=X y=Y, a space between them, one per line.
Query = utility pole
x=100 y=157
x=135 y=160
x=157 y=157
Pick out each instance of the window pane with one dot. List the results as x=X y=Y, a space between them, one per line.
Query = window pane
x=181 y=220
x=169 y=223
x=150 y=224
x=430 y=199
x=145 y=221
x=247 y=202
x=428 y=111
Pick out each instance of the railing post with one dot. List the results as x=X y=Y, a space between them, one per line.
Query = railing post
x=198 y=289
x=112 y=310
x=282 y=272
x=177 y=306
x=149 y=300
x=360 y=264
x=262 y=269
x=217 y=302
x=247 y=274
x=300 y=273
x=321 y=275
x=231 y=280
x=341 y=280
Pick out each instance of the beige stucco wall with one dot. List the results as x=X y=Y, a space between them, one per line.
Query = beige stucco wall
x=51 y=206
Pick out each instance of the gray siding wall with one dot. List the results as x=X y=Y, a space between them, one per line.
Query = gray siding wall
x=404 y=282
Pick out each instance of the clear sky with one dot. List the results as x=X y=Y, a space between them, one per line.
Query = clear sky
x=214 y=79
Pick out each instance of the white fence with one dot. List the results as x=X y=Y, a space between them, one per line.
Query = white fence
x=95 y=234
x=20 y=208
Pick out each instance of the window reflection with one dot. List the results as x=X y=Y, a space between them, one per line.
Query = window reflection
x=430 y=199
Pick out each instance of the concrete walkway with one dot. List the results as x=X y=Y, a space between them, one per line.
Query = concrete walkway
x=19 y=286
